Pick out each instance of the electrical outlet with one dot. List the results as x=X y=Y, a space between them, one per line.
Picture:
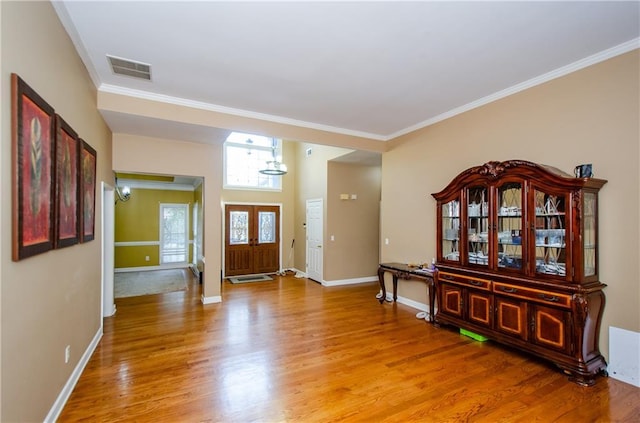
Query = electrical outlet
x=146 y=258
x=67 y=353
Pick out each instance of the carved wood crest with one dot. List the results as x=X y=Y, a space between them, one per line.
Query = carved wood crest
x=495 y=169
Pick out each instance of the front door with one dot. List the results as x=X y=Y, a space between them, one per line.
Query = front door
x=252 y=239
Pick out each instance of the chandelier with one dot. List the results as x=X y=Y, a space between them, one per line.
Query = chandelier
x=274 y=167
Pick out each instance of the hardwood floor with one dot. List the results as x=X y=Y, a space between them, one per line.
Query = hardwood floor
x=290 y=350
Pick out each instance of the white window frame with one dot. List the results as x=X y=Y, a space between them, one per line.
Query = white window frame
x=275 y=180
x=162 y=233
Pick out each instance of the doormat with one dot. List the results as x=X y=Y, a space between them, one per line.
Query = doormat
x=133 y=284
x=245 y=279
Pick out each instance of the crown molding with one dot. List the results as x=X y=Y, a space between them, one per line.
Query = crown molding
x=177 y=101
x=557 y=73
x=67 y=23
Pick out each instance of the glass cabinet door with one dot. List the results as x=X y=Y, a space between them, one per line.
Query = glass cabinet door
x=589 y=239
x=451 y=230
x=550 y=233
x=478 y=225
x=509 y=225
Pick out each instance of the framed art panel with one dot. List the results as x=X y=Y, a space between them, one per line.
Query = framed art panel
x=87 y=191
x=33 y=181
x=67 y=220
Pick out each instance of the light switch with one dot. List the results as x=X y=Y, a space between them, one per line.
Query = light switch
x=344 y=196
x=354 y=196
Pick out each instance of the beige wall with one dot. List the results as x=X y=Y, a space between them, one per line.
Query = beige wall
x=354 y=223
x=285 y=198
x=310 y=183
x=132 y=153
x=53 y=299
x=590 y=116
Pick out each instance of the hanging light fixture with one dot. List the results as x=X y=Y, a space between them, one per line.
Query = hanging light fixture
x=274 y=167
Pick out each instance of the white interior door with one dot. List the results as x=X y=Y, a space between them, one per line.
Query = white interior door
x=314 y=239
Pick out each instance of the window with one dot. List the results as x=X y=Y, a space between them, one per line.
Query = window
x=245 y=155
x=174 y=233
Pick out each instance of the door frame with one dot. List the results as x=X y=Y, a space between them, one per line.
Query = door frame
x=108 y=306
x=224 y=205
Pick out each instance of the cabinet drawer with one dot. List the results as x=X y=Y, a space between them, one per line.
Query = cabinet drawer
x=544 y=297
x=465 y=280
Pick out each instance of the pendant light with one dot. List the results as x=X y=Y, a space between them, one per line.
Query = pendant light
x=274 y=167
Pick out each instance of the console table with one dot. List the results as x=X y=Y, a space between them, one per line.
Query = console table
x=404 y=271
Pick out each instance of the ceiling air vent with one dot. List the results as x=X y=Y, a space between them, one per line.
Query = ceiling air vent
x=130 y=68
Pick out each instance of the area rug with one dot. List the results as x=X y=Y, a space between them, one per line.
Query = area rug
x=245 y=279
x=133 y=284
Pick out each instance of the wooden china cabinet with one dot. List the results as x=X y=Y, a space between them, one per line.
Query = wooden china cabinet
x=518 y=261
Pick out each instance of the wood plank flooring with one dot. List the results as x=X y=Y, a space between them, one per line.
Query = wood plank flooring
x=290 y=350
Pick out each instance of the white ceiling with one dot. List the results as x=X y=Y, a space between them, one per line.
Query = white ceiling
x=375 y=69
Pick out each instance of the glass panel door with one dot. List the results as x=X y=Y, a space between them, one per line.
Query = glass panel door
x=451 y=230
x=509 y=224
x=478 y=225
x=550 y=233
x=174 y=236
x=589 y=235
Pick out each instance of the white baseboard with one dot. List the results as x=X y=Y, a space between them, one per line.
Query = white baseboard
x=63 y=396
x=406 y=301
x=211 y=300
x=146 y=268
x=350 y=281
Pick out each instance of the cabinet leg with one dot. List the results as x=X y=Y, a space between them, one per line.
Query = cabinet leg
x=582 y=380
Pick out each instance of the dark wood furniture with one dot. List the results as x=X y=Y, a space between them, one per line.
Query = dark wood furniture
x=518 y=261
x=404 y=271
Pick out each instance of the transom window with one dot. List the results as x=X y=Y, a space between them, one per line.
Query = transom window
x=245 y=155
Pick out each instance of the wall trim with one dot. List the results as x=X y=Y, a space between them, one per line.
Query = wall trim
x=135 y=243
x=538 y=80
x=67 y=389
x=353 y=281
x=408 y=302
x=140 y=243
x=161 y=98
x=564 y=70
x=211 y=300
x=149 y=268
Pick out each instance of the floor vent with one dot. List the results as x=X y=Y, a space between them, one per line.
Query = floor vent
x=130 y=68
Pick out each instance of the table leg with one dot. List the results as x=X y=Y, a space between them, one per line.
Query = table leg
x=382 y=287
x=395 y=287
x=432 y=300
